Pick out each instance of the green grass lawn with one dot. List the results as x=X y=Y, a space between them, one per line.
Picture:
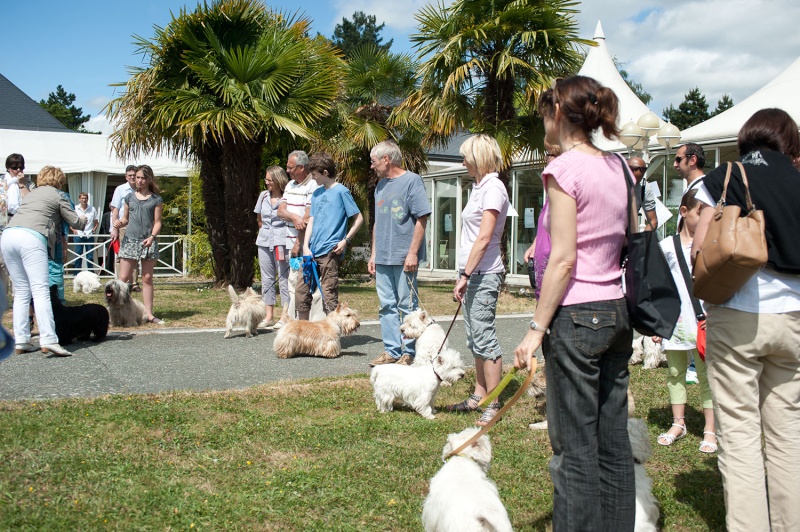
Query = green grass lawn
x=311 y=455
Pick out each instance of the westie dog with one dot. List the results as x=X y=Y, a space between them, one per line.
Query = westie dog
x=415 y=386
x=462 y=497
x=646 y=351
x=123 y=310
x=429 y=336
x=86 y=282
x=247 y=310
x=646 y=505
x=317 y=338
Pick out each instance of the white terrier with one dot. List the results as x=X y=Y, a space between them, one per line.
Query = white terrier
x=86 y=282
x=247 y=309
x=646 y=505
x=462 y=497
x=429 y=336
x=646 y=351
x=415 y=386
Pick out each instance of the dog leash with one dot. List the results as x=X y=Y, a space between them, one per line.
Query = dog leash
x=503 y=410
x=449 y=328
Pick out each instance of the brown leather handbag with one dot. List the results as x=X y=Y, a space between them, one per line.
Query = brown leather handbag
x=734 y=248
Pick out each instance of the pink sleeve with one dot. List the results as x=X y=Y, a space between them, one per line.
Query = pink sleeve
x=566 y=176
x=493 y=199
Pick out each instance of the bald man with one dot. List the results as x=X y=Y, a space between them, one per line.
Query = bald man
x=638 y=169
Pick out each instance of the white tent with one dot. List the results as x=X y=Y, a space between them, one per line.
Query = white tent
x=86 y=159
x=782 y=92
x=600 y=65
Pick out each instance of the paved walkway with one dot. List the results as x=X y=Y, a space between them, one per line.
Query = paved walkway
x=176 y=359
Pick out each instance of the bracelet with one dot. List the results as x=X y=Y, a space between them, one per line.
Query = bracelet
x=349 y=242
x=539 y=328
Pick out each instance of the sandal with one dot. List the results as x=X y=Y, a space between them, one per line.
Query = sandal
x=155 y=321
x=464 y=406
x=488 y=413
x=668 y=438
x=706 y=446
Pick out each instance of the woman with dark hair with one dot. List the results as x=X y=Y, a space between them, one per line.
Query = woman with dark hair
x=27 y=241
x=752 y=340
x=143 y=221
x=581 y=319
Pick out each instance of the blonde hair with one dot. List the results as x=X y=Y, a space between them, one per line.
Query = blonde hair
x=51 y=176
x=279 y=177
x=482 y=152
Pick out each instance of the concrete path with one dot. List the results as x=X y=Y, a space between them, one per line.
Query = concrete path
x=175 y=359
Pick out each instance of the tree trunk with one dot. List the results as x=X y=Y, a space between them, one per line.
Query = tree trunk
x=213 y=196
x=241 y=163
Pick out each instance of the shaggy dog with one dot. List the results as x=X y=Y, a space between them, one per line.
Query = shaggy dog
x=415 y=386
x=462 y=497
x=646 y=351
x=646 y=505
x=246 y=310
x=123 y=309
x=429 y=336
x=86 y=282
x=317 y=338
x=79 y=321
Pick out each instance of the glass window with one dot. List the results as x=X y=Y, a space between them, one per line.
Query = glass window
x=426 y=264
x=527 y=198
x=446 y=223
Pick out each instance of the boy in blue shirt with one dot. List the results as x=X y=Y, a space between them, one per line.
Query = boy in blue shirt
x=326 y=236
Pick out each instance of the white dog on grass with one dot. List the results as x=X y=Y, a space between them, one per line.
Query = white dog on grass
x=415 y=386
x=646 y=505
x=86 y=282
x=462 y=498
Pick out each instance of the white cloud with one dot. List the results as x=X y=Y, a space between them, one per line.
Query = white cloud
x=396 y=15
x=99 y=123
x=721 y=46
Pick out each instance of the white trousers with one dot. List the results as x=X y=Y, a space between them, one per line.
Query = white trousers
x=26 y=260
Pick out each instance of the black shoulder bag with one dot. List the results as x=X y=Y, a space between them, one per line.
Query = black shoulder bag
x=654 y=304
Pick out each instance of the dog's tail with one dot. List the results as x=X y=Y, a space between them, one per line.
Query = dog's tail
x=233 y=295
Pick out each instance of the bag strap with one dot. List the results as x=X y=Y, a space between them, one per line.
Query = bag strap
x=632 y=215
x=748 y=199
x=687 y=278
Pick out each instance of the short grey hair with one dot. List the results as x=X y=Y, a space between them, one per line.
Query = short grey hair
x=300 y=157
x=388 y=148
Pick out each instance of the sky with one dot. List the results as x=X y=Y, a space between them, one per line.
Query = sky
x=670 y=47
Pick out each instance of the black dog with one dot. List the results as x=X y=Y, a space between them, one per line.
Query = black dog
x=79 y=321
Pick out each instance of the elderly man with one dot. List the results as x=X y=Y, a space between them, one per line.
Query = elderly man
x=648 y=198
x=118 y=207
x=296 y=210
x=401 y=213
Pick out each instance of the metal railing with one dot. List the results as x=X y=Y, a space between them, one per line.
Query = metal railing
x=173 y=256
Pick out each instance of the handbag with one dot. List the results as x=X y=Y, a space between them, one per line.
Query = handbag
x=651 y=294
x=733 y=250
x=700 y=342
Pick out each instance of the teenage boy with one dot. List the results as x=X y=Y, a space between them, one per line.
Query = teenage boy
x=326 y=236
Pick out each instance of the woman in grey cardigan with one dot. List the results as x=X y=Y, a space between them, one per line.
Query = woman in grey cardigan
x=29 y=237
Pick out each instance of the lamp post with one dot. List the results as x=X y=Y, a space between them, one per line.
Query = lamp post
x=668 y=136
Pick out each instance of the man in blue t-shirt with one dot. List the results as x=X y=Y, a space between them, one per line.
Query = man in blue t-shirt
x=401 y=214
x=326 y=236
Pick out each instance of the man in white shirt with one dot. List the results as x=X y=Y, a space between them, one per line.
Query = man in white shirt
x=117 y=211
x=84 y=236
x=689 y=162
x=297 y=211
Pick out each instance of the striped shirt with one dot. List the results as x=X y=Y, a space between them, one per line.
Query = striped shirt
x=298 y=198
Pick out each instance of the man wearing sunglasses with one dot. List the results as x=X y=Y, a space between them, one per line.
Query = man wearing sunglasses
x=16 y=183
x=644 y=192
x=689 y=162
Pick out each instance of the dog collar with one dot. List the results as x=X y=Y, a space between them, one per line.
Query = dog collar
x=437 y=375
x=462 y=455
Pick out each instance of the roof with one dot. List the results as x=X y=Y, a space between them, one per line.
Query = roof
x=599 y=65
x=19 y=111
x=781 y=92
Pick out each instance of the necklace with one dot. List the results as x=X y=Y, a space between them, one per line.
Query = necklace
x=576 y=144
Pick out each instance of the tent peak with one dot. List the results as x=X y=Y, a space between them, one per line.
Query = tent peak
x=598 y=32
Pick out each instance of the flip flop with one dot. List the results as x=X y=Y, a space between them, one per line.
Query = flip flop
x=155 y=321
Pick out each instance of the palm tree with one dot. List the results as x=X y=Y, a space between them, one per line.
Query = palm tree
x=485 y=64
x=375 y=82
x=220 y=83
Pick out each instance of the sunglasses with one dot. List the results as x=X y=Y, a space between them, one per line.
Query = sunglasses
x=679 y=159
x=16 y=168
x=638 y=168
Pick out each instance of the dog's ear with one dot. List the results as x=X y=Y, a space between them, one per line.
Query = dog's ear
x=423 y=315
x=439 y=360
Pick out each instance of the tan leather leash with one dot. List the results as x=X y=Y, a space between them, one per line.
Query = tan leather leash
x=505 y=408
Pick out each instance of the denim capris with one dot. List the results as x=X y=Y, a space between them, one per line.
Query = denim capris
x=480 y=308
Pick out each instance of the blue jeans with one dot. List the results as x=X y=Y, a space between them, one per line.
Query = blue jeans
x=397 y=301
x=85 y=243
x=586 y=366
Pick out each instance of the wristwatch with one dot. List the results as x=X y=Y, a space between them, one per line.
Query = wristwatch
x=464 y=274
x=539 y=328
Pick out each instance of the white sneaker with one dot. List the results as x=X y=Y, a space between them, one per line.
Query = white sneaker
x=56 y=350
x=25 y=348
x=691 y=377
